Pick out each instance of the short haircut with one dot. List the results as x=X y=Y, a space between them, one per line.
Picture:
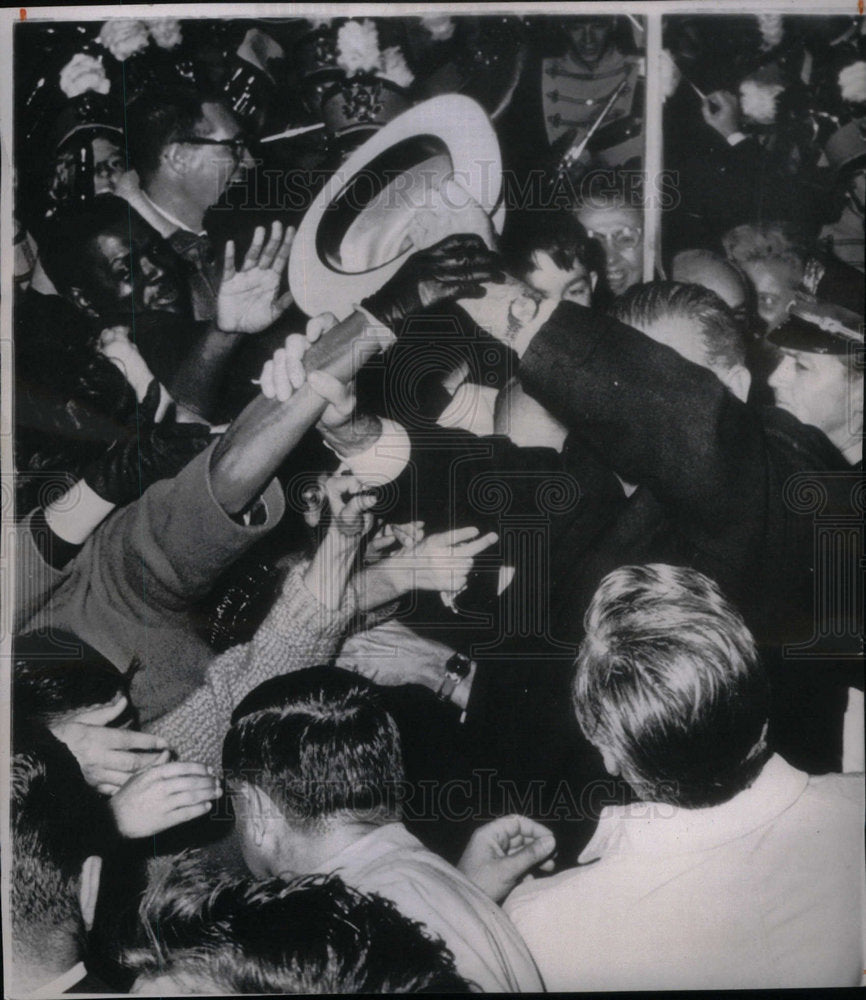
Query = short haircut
x=779 y=241
x=644 y=305
x=157 y=118
x=557 y=233
x=320 y=743
x=64 y=250
x=669 y=680
x=50 y=681
x=57 y=821
x=309 y=935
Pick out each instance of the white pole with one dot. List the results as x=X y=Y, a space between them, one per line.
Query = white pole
x=653 y=161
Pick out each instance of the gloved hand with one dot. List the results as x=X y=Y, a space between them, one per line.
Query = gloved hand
x=454 y=268
x=157 y=451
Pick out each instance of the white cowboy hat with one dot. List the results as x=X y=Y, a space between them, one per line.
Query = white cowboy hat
x=433 y=171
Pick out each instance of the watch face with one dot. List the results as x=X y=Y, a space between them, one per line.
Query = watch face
x=458 y=666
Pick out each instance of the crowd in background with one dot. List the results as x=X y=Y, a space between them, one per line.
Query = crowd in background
x=346 y=641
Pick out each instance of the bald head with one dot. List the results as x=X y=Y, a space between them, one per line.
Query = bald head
x=709 y=270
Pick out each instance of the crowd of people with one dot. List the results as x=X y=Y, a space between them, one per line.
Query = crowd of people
x=414 y=596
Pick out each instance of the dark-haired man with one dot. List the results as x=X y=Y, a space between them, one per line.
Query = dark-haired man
x=59 y=833
x=186 y=150
x=735 y=870
x=308 y=935
x=315 y=766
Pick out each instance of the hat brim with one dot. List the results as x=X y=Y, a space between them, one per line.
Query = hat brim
x=822 y=329
x=454 y=122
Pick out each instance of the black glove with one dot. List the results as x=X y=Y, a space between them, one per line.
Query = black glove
x=157 y=451
x=454 y=268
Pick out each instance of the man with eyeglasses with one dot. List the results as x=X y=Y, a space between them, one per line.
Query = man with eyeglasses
x=187 y=149
x=616 y=225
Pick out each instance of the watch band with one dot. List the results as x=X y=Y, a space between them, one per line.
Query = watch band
x=457 y=669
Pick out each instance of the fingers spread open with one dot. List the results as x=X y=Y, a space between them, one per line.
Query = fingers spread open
x=251 y=258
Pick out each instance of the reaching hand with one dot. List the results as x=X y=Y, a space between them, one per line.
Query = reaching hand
x=114 y=344
x=284 y=374
x=440 y=562
x=107 y=756
x=501 y=853
x=394 y=537
x=455 y=268
x=721 y=111
x=163 y=796
x=392 y=654
x=247 y=301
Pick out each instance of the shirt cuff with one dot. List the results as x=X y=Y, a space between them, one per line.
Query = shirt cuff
x=56 y=551
x=384 y=460
x=735 y=138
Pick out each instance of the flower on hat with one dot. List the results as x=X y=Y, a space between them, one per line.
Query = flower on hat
x=772 y=30
x=165 y=31
x=440 y=26
x=358 y=47
x=852 y=82
x=758 y=101
x=393 y=67
x=123 y=38
x=83 y=73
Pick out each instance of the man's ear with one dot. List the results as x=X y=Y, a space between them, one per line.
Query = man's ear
x=739 y=380
x=177 y=158
x=88 y=888
x=258 y=810
x=82 y=301
x=611 y=764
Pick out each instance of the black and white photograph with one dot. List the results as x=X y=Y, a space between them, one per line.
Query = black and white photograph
x=432 y=549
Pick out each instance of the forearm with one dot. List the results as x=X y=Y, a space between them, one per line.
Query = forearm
x=197 y=381
x=329 y=571
x=377 y=585
x=261 y=437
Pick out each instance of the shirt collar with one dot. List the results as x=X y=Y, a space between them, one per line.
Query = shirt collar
x=372 y=846
x=168 y=217
x=62 y=983
x=655 y=828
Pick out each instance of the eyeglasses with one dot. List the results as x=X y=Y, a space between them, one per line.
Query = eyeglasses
x=627 y=238
x=238 y=144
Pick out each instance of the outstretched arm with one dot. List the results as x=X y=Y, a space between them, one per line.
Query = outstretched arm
x=301 y=630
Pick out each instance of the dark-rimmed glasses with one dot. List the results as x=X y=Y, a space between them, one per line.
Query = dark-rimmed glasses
x=238 y=144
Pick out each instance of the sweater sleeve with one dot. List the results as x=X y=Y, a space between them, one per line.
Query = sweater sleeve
x=298 y=632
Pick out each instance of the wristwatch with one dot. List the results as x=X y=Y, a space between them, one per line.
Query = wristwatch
x=457 y=669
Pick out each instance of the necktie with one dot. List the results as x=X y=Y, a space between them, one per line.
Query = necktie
x=197 y=250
